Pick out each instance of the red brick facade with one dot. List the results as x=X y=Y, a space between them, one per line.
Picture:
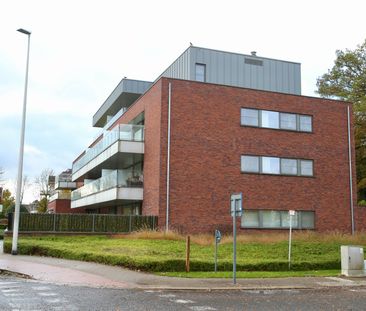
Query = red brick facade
x=207 y=142
x=61 y=206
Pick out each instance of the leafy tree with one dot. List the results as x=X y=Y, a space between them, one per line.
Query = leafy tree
x=42 y=205
x=8 y=201
x=347 y=81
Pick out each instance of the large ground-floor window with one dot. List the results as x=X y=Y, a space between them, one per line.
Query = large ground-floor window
x=271 y=219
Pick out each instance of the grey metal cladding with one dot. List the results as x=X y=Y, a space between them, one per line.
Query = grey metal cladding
x=238 y=70
x=125 y=93
x=180 y=69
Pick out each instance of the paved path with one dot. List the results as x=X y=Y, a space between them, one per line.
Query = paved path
x=62 y=271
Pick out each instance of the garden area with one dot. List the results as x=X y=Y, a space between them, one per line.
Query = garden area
x=313 y=254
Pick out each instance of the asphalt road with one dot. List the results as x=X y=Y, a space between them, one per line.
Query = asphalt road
x=20 y=294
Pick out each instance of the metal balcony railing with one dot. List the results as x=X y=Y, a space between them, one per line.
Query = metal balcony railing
x=126 y=132
x=117 y=178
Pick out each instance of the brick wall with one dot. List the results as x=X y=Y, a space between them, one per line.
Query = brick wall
x=207 y=142
x=360 y=218
x=63 y=206
x=150 y=103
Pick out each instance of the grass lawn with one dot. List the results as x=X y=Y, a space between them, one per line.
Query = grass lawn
x=312 y=254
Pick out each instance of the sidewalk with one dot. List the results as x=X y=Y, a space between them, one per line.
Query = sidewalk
x=71 y=272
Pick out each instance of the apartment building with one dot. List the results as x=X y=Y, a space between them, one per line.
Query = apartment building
x=60 y=193
x=212 y=124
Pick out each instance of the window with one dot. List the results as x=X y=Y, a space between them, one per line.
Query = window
x=274 y=119
x=250 y=164
x=270 y=165
x=289 y=166
x=250 y=117
x=288 y=121
x=276 y=165
x=201 y=72
x=273 y=219
x=285 y=220
x=307 y=220
x=306 y=168
x=251 y=219
x=305 y=124
x=270 y=119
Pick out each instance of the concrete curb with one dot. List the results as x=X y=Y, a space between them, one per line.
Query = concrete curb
x=243 y=288
x=17 y=274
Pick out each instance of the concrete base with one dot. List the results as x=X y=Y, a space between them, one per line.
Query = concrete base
x=353 y=272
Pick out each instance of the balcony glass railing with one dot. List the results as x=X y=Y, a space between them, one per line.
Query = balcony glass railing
x=117 y=178
x=60 y=196
x=129 y=132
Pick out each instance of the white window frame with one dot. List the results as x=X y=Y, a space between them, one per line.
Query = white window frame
x=199 y=65
x=299 y=163
x=283 y=214
x=297 y=128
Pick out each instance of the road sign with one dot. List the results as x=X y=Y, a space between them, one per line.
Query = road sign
x=236 y=206
x=218 y=236
x=217 y=241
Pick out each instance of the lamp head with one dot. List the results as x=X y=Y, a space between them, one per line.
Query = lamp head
x=24 y=31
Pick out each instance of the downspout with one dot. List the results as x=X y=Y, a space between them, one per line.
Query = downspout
x=350 y=170
x=168 y=161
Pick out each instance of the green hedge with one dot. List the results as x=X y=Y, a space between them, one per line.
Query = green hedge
x=83 y=223
x=26 y=247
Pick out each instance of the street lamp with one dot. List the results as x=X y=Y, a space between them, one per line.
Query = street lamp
x=14 y=249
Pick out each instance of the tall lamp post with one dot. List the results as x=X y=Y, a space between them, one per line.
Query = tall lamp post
x=14 y=249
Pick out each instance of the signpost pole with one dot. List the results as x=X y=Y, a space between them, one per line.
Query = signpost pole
x=215 y=253
x=291 y=213
x=234 y=249
x=236 y=209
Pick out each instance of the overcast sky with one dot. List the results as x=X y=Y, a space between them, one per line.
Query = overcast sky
x=80 y=50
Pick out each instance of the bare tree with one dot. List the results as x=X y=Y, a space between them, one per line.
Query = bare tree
x=42 y=184
x=1 y=176
x=26 y=183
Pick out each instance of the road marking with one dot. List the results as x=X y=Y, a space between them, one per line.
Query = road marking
x=167 y=296
x=41 y=288
x=6 y=283
x=183 y=301
x=47 y=294
x=152 y=291
x=55 y=300
x=13 y=294
x=9 y=290
x=201 y=308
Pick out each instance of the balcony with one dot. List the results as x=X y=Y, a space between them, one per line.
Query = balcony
x=64 y=195
x=124 y=138
x=114 y=187
x=123 y=96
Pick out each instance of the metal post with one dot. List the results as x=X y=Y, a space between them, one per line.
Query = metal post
x=14 y=249
x=130 y=224
x=234 y=248
x=350 y=170
x=54 y=222
x=215 y=253
x=168 y=162
x=93 y=228
x=289 y=243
